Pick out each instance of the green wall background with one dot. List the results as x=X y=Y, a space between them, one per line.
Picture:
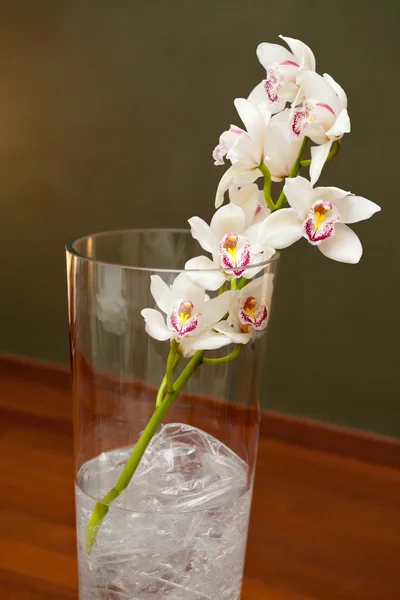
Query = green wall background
x=108 y=115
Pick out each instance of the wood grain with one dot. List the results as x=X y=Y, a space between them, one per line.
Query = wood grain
x=323 y=527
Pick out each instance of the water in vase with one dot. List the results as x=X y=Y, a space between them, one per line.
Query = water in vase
x=177 y=532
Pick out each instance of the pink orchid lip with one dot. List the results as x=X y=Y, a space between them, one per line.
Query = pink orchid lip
x=289 y=62
x=323 y=105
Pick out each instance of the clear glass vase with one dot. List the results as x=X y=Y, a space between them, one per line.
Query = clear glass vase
x=178 y=528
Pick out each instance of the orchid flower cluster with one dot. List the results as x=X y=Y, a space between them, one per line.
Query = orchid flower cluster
x=292 y=107
x=252 y=227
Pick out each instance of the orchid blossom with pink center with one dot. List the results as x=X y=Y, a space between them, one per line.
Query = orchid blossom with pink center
x=265 y=141
x=319 y=215
x=190 y=315
x=282 y=67
x=249 y=310
x=233 y=240
x=322 y=116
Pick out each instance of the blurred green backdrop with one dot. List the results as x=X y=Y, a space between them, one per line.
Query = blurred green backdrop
x=109 y=112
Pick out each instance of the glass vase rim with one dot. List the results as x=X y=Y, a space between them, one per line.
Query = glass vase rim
x=74 y=252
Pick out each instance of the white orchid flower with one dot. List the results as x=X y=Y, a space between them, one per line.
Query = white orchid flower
x=249 y=310
x=190 y=315
x=322 y=116
x=319 y=215
x=266 y=140
x=282 y=67
x=234 y=242
x=248 y=197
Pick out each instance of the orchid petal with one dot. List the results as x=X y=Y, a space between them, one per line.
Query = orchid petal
x=282 y=228
x=344 y=246
x=253 y=120
x=341 y=125
x=161 y=293
x=208 y=340
x=355 y=208
x=302 y=53
x=338 y=89
x=227 y=180
x=205 y=273
x=251 y=272
x=185 y=288
x=228 y=219
x=262 y=288
x=246 y=177
x=280 y=149
x=319 y=155
x=258 y=94
x=202 y=233
x=235 y=336
x=272 y=53
x=155 y=325
x=331 y=194
x=247 y=199
x=259 y=97
x=213 y=310
x=299 y=193
x=316 y=87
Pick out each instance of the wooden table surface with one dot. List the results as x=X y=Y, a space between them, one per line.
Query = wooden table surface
x=323 y=527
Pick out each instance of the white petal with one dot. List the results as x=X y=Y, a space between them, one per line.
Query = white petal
x=331 y=194
x=202 y=233
x=208 y=340
x=299 y=193
x=246 y=177
x=355 y=208
x=261 y=288
x=161 y=293
x=340 y=126
x=271 y=53
x=205 y=273
x=247 y=199
x=318 y=157
x=282 y=228
x=213 y=310
x=236 y=336
x=317 y=88
x=258 y=95
x=253 y=233
x=280 y=149
x=338 y=89
x=344 y=246
x=304 y=55
x=253 y=120
x=227 y=180
x=228 y=219
x=251 y=272
x=155 y=324
x=185 y=288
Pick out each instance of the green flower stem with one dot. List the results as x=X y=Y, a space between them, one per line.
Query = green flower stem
x=101 y=508
x=170 y=365
x=233 y=284
x=267 y=185
x=163 y=386
x=293 y=173
x=223 y=359
x=332 y=153
x=242 y=282
x=161 y=391
x=222 y=289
